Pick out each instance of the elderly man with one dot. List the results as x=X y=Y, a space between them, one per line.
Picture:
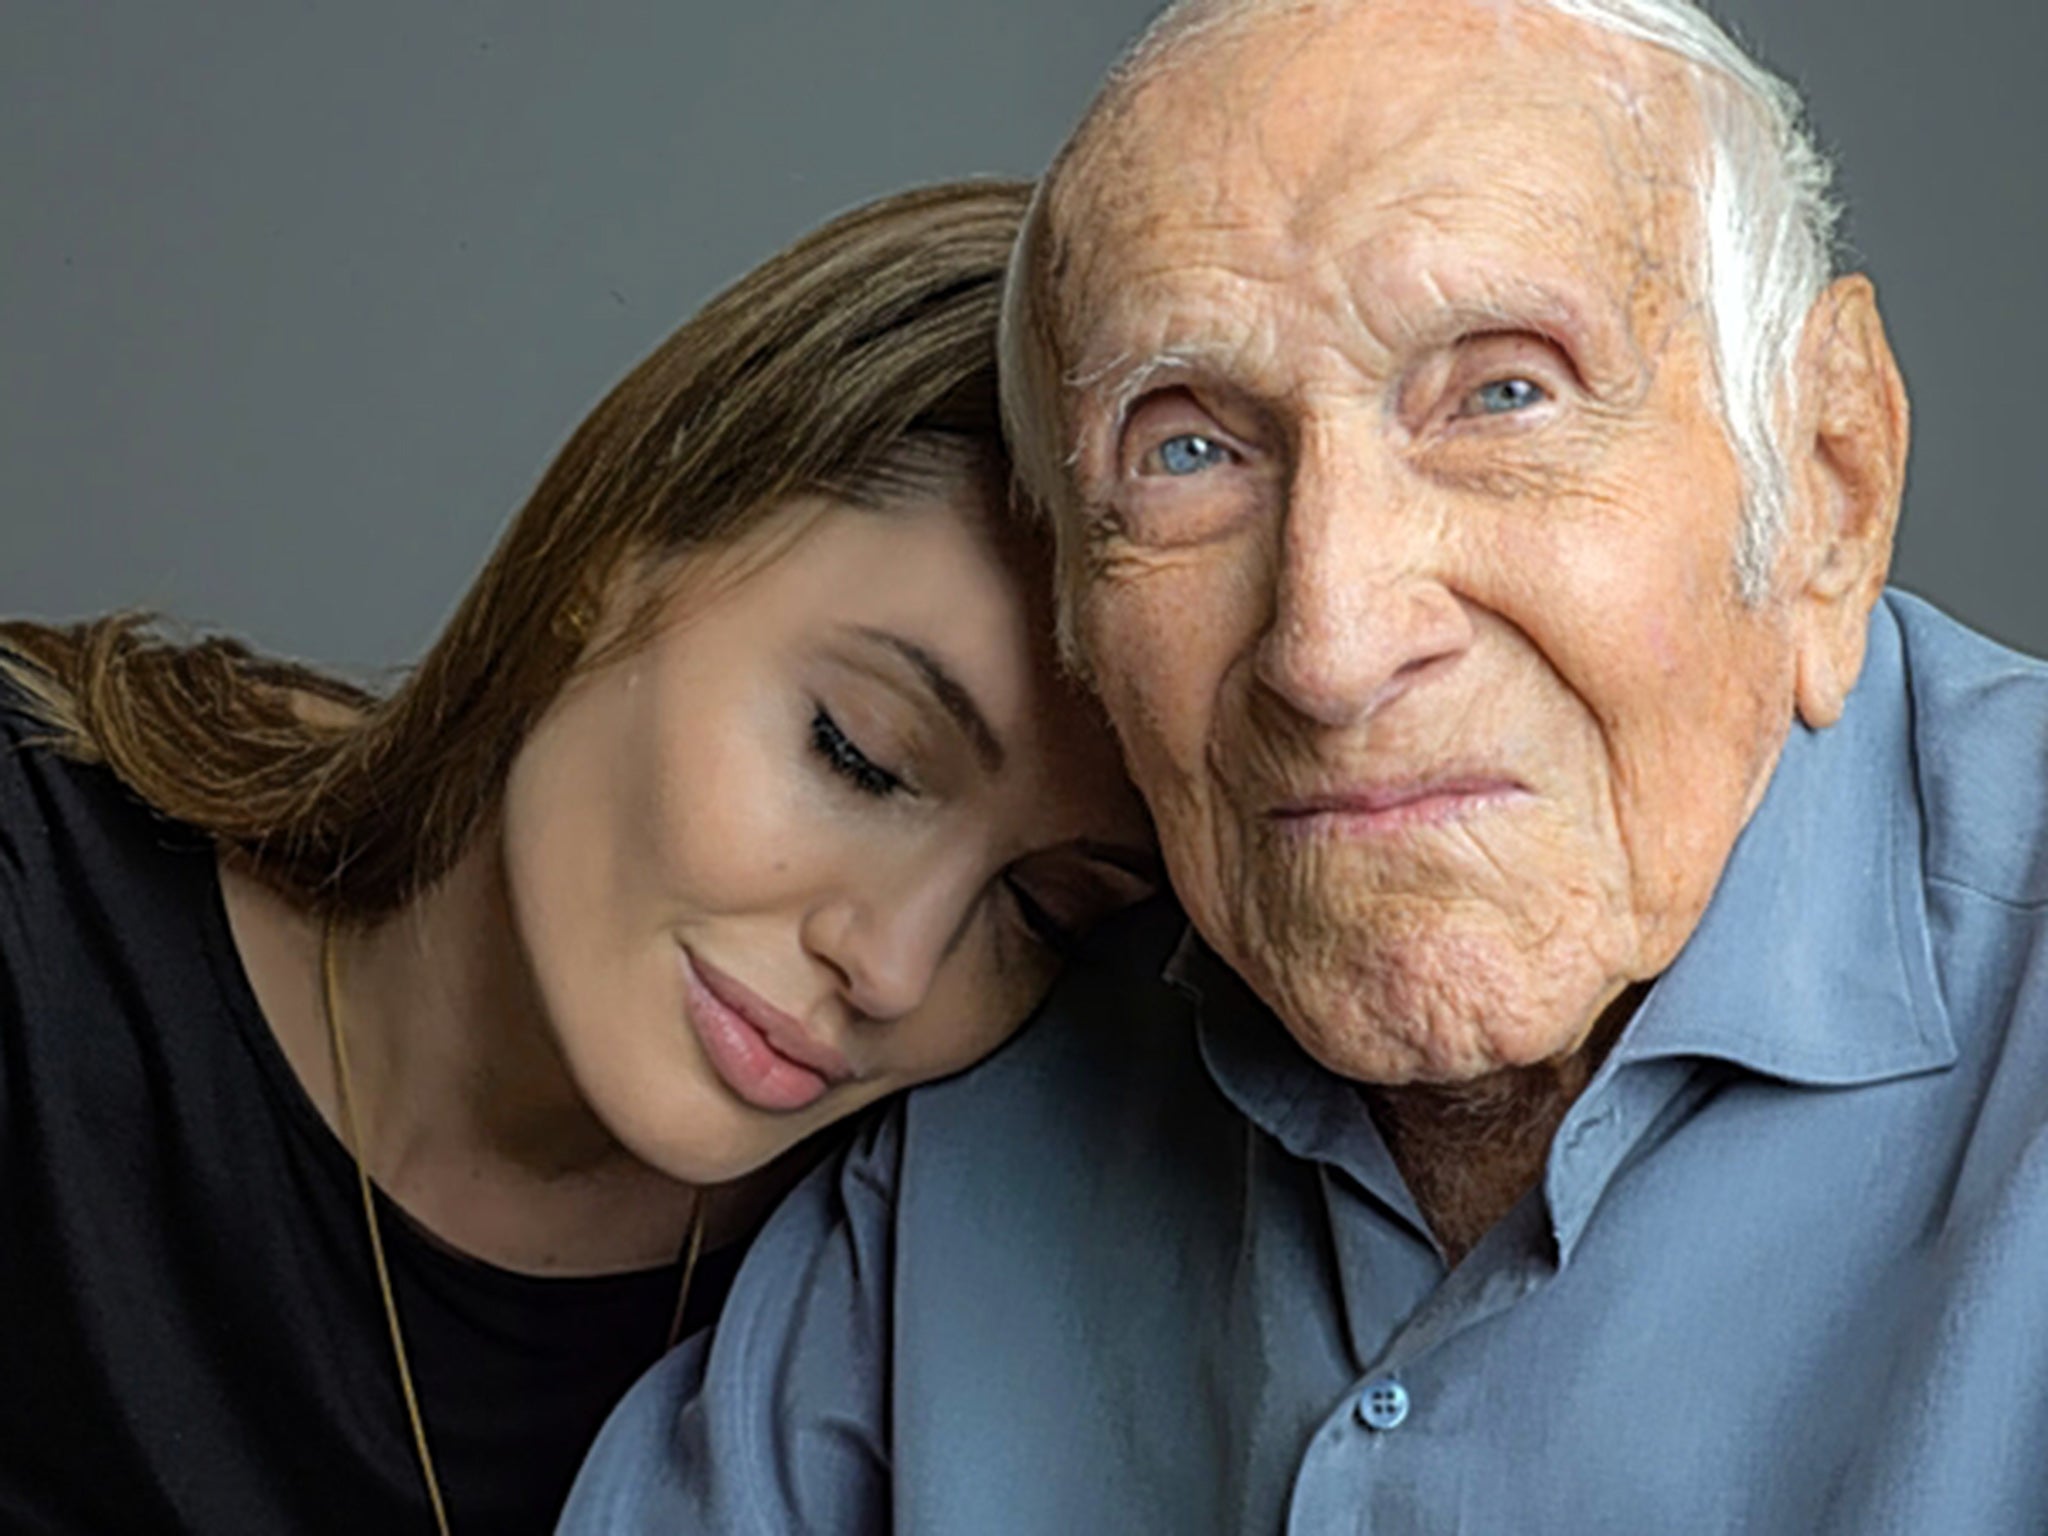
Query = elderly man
x=1601 y=1080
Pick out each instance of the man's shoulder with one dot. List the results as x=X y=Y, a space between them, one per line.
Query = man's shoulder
x=1979 y=714
x=1082 y=1188
x=1108 y=1065
x=1111 y=1016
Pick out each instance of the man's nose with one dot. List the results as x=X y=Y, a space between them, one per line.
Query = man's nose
x=885 y=935
x=1360 y=605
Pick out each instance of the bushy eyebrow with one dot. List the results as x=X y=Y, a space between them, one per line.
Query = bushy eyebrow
x=1599 y=348
x=1114 y=385
x=952 y=695
x=1535 y=309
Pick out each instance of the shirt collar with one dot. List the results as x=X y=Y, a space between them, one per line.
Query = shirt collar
x=1309 y=1110
x=1812 y=964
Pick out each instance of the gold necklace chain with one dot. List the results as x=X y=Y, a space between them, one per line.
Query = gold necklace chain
x=330 y=1002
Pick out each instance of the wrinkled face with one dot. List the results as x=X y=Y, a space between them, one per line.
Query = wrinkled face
x=1408 y=523
x=821 y=838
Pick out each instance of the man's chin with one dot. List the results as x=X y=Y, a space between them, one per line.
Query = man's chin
x=1372 y=1053
x=1441 y=1024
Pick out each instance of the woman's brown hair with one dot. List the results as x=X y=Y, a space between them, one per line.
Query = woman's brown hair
x=859 y=362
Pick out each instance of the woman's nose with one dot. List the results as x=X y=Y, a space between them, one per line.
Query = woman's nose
x=886 y=945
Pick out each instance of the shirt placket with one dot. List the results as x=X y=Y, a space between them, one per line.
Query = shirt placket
x=1384 y=1460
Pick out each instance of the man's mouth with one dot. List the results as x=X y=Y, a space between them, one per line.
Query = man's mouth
x=1373 y=807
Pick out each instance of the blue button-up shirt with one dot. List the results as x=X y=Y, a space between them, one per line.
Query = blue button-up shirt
x=1152 y=1269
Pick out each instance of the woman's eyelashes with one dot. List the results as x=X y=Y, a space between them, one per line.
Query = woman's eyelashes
x=845 y=758
x=1048 y=930
x=1058 y=900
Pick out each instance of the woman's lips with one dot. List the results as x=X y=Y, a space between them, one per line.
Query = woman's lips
x=761 y=1053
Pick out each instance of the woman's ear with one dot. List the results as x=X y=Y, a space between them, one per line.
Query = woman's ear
x=1848 y=472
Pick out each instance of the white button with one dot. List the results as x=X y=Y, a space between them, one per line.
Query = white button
x=1383 y=1405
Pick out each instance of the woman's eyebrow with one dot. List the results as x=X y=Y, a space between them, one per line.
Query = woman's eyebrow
x=952 y=695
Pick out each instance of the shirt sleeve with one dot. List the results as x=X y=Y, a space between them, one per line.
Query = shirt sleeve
x=777 y=1423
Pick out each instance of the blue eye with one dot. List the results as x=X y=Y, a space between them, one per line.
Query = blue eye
x=1502 y=396
x=1190 y=453
x=848 y=761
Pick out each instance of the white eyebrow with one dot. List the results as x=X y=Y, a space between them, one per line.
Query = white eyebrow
x=1119 y=380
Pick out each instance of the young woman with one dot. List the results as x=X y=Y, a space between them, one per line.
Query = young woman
x=374 y=1069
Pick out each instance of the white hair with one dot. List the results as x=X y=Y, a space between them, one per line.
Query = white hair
x=1767 y=217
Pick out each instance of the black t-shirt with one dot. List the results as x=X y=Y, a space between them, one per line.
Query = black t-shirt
x=191 y=1334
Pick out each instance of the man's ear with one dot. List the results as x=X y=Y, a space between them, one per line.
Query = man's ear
x=1848 y=472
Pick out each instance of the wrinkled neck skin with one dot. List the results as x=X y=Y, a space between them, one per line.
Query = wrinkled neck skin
x=1469 y=1151
x=468 y=1118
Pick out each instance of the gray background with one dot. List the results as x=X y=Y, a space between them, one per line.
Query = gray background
x=294 y=305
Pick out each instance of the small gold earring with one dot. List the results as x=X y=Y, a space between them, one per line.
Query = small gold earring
x=573 y=620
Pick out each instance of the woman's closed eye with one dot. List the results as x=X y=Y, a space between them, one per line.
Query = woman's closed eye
x=845 y=758
x=1058 y=899
x=1040 y=923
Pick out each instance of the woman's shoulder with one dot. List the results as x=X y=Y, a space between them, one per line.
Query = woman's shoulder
x=56 y=806
x=79 y=853
x=113 y=953
x=41 y=791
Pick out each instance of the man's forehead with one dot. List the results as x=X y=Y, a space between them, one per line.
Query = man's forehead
x=1301 y=136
